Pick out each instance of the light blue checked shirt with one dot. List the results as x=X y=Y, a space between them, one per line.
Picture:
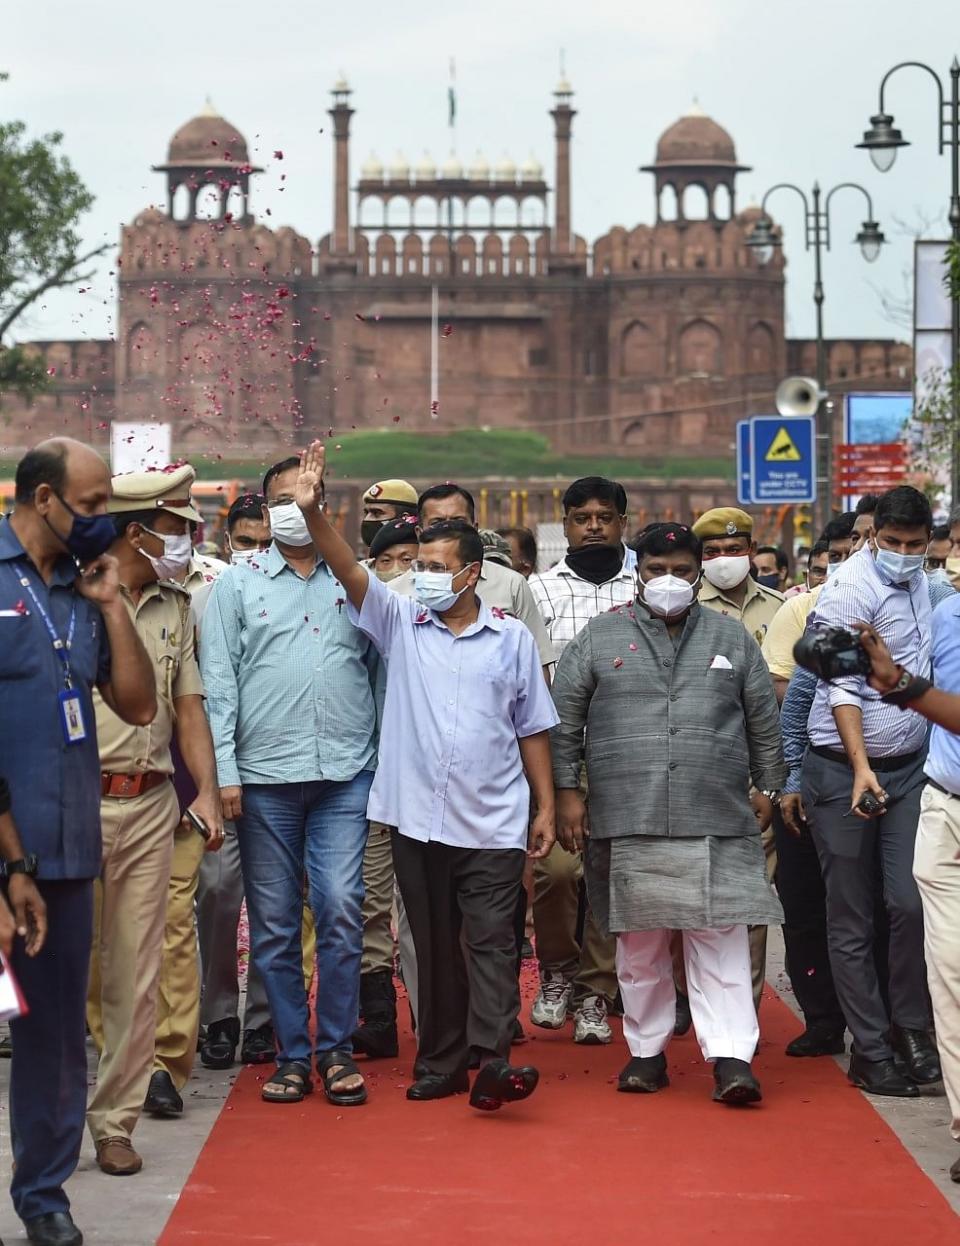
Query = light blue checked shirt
x=860 y=592
x=450 y=767
x=289 y=679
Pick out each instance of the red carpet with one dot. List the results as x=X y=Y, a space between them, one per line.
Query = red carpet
x=813 y=1165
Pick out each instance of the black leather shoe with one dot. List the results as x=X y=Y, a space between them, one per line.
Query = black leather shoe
x=916 y=1050
x=880 y=1077
x=498 y=1083
x=219 y=1048
x=817 y=1042
x=55 y=1229
x=259 y=1046
x=734 y=1082
x=644 y=1075
x=376 y=1037
x=684 y=1019
x=955 y=1171
x=162 y=1098
x=438 y=1086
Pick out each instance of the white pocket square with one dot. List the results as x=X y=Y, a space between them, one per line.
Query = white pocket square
x=720 y=663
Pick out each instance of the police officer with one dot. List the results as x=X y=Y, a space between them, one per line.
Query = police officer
x=383 y=501
x=63 y=631
x=139 y=808
x=730 y=588
x=178 y=993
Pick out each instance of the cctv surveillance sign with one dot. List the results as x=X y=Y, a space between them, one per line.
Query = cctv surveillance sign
x=783 y=459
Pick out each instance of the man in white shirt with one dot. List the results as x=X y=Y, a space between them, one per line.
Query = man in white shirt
x=465 y=723
x=591 y=579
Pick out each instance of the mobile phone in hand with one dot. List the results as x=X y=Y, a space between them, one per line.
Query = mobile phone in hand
x=198 y=824
x=869 y=804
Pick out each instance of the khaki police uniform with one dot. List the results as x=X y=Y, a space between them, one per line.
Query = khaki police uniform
x=139 y=815
x=393 y=493
x=756 y=613
x=378 y=878
x=178 y=993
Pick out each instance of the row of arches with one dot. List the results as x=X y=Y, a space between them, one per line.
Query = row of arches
x=694 y=201
x=489 y=255
x=699 y=350
x=210 y=201
x=428 y=212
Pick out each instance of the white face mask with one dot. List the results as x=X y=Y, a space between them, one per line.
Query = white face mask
x=288 y=526
x=726 y=572
x=244 y=557
x=668 y=595
x=434 y=589
x=175 y=557
x=898 y=568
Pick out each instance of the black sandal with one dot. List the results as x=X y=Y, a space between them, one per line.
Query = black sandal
x=292 y=1076
x=345 y=1065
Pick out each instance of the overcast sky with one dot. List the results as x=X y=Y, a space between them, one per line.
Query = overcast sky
x=794 y=83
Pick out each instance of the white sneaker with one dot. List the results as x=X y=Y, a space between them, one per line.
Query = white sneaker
x=552 y=1003
x=590 y=1023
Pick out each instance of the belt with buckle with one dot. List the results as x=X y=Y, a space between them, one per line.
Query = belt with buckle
x=126 y=786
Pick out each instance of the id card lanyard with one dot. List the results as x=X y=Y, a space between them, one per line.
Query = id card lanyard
x=71 y=707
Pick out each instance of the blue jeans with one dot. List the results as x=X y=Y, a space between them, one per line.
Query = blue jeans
x=286 y=830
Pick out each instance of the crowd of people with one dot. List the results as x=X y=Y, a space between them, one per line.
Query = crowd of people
x=392 y=757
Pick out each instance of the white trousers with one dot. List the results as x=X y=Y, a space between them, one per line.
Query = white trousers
x=718 y=984
x=936 y=868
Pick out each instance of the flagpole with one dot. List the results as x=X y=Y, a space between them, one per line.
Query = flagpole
x=434 y=353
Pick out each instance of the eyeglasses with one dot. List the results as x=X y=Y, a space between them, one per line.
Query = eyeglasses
x=435 y=568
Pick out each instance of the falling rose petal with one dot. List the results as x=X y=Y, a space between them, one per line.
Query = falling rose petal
x=447 y=330
x=278 y=155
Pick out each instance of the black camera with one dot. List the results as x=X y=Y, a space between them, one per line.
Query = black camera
x=831 y=653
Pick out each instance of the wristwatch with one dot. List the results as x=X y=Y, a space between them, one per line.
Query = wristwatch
x=773 y=795
x=28 y=865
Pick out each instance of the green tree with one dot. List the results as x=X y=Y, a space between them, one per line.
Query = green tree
x=42 y=199
x=932 y=428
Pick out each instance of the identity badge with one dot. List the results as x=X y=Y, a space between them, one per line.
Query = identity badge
x=71 y=717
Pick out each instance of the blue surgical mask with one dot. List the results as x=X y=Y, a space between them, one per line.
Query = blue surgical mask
x=899 y=567
x=89 y=535
x=772 y=580
x=833 y=568
x=434 y=589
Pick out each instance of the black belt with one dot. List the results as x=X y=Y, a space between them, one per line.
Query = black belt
x=875 y=763
x=941 y=788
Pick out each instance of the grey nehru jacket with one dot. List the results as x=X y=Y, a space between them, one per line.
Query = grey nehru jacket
x=673 y=735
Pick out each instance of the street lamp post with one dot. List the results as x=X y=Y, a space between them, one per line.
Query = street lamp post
x=881 y=140
x=763 y=238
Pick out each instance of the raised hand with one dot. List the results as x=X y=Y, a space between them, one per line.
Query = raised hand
x=308 y=490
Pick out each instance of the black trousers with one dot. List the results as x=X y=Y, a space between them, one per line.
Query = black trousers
x=850 y=849
x=468 y=994
x=48 y=1072
x=802 y=894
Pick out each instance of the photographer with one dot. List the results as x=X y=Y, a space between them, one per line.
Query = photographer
x=861 y=783
x=936 y=864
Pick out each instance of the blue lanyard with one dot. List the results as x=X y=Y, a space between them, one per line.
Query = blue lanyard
x=61 y=648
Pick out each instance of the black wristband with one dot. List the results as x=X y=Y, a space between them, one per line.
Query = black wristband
x=909 y=688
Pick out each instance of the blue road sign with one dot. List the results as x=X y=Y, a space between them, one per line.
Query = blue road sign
x=744 y=480
x=783 y=460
